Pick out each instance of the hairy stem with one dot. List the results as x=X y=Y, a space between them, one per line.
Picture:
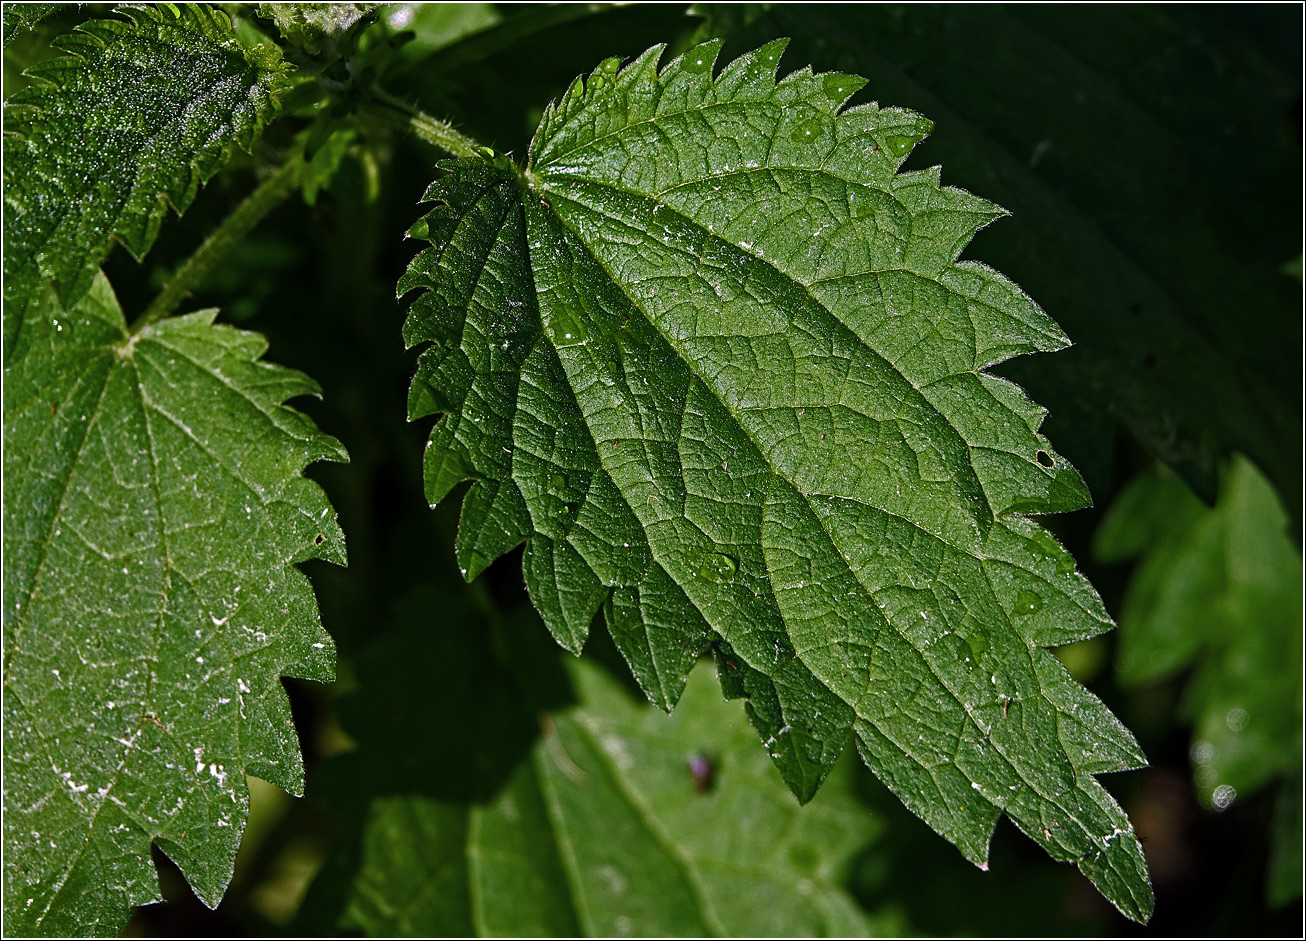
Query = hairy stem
x=399 y=113
x=234 y=228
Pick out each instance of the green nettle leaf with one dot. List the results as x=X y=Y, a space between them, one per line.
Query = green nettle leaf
x=1140 y=268
x=672 y=827
x=131 y=122
x=1219 y=590
x=153 y=507
x=717 y=364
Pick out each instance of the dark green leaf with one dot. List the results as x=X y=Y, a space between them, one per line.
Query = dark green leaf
x=1110 y=134
x=1284 y=882
x=153 y=510
x=130 y=122
x=716 y=363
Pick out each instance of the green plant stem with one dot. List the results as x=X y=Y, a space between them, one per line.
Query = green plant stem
x=234 y=228
x=440 y=133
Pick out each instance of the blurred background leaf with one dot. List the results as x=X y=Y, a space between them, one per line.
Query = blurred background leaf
x=462 y=818
x=1217 y=591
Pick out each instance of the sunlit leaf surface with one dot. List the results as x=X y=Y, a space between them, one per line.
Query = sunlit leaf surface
x=715 y=362
x=153 y=510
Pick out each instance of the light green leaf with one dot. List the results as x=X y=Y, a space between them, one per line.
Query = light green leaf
x=153 y=507
x=686 y=809
x=437 y=25
x=1218 y=590
x=132 y=121
x=718 y=365
x=604 y=826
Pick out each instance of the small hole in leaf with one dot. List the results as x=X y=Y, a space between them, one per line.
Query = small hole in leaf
x=319 y=538
x=1149 y=360
x=1044 y=458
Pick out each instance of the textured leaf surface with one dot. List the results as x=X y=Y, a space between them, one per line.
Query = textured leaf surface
x=153 y=505
x=1217 y=590
x=316 y=27
x=604 y=826
x=130 y=122
x=1074 y=114
x=717 y=364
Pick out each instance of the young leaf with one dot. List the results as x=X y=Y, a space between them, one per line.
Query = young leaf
x=132 y=121
x=715 y=361
x=153 y=510
x=317 y=28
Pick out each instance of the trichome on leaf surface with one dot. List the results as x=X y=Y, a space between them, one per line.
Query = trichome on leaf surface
x=705 y=359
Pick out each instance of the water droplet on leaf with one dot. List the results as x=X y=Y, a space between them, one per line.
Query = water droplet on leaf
x=1028 y=603
x=715 y=567
x=900 y=144
x=566 y=329
x=807 y=131
x=837 y=87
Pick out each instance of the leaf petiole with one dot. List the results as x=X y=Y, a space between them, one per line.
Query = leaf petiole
x=401 y=114
x=235 y=227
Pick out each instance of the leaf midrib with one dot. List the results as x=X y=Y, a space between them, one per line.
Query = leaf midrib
x=558 y=824
x=136 y=381
x=807 y=497
x=94 y=418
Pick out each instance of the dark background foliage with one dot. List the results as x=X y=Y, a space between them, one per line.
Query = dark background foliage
x=1151 y=158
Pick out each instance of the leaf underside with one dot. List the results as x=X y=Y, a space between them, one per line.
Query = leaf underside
x=717 y=364
x=153 y=510
x=130 y=122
